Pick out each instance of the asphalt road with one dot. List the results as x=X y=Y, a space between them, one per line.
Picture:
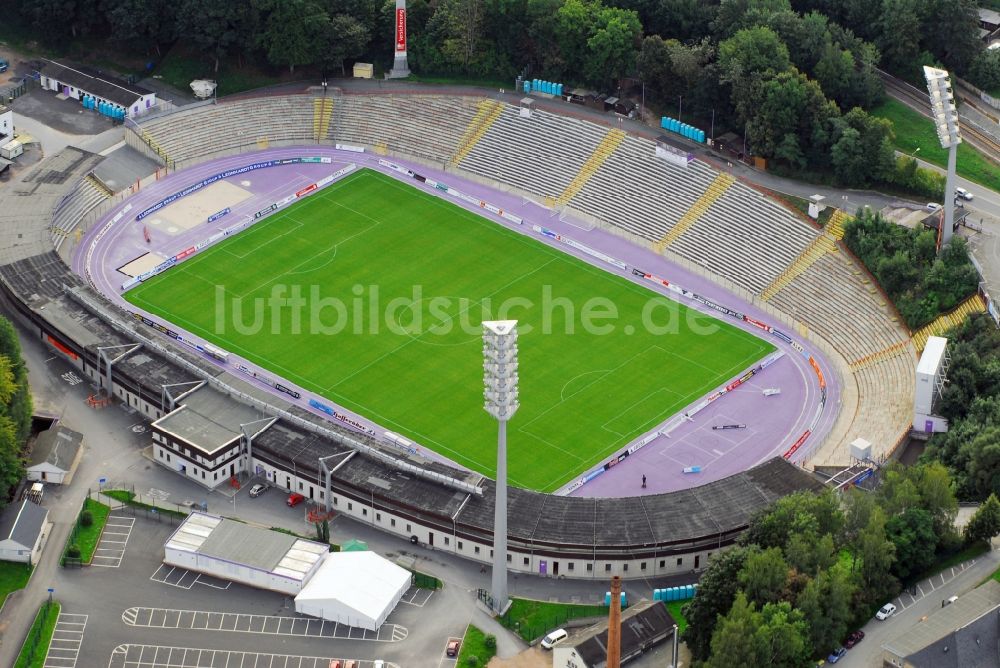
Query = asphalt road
x=868 y=654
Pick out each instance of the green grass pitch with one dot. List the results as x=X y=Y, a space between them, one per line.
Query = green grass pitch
x=368 y=240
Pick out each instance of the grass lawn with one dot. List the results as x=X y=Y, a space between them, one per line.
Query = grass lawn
x=36 y=645
x=87 y=537
x=914 y=131
x=13 y=576
x=180 y=67
x=392 y=286
x=474 y=644
x=675 y=611
x=532 y=619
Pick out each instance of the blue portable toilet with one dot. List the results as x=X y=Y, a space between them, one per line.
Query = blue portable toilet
x=689 y=591
x=671 y=594
x=675 y=125
x=659 y=595
x=536 y=84
x=624 y=600
x=559 y=89
x=527 y=86
x=121 y=113
x=607 y=598
x=550 y=88
x=100 y=107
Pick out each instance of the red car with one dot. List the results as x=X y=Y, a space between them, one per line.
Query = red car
x=854 y=639
x=453 y=647
x=295 y=499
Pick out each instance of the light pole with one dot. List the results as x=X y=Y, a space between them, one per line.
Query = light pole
x=946 y=124
x=500 y=401
x=680 y=102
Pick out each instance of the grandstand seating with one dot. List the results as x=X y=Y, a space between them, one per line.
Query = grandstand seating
x=489 y=111
x=72 y=209
x=604 y=150
x=955 y=317
x=715 y=190
x=322 y=112
x=820 y=245
x=540 y=154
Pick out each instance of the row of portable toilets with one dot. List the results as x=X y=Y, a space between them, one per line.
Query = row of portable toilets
x=683 y=129
x=540 y=86
x=106 y=108
x=681 y=593
x=607 y=599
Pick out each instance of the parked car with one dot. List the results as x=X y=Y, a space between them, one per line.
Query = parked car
x=3 y=65
x=836 y=655
x=933 y=206
x=453 y=646
x=963 y=193
x=334 y=663
x=295 y=499
x=885 y=612
x=554 y=638
x=854 y=639
x=257 y=490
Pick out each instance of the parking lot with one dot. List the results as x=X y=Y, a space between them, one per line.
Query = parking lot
x=416 y=596
x=155 y=656
x=111 y=549
x=229 y=622
x=66 y=640
x=185 y=579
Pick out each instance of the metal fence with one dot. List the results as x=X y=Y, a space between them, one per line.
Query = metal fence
x=33 y=646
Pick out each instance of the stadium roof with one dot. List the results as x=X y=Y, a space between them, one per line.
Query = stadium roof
x=208 y=420
x=261 y=549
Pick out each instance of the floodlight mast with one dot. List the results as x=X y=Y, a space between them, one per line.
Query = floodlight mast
x=949 y=135
x=500 y=395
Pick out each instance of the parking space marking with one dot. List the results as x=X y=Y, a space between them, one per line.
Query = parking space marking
x=236 y=622
x=941 y=579
x=416 y=596
x=155 y=656
x=66 y=639
x=111 y=549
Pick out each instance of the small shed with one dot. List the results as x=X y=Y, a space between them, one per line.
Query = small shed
x=55 y=456
x=21 y=530
x=364 y=70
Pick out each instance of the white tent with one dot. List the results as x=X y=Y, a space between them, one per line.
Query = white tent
x=354 y=588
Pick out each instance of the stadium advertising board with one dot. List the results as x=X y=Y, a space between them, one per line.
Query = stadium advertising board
x=345 y=419
x=215 y=216
x=401 y=30
x=572 y=243
x=195 y=187
x=268 y=381
x=797 y=444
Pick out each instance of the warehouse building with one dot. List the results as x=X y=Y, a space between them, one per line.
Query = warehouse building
x=241 y=553
x=109 y=96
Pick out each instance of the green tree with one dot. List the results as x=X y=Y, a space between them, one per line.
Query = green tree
x=912 y=534
x=217 y=27
x=344 y=37
x=985 y=69
x=764 y=576
x=143 y=23
x=984 y=524
x=292 y=32
x=784 y=635
x=716 y=591
x=611 y=49
x=736 y=641
x=746 y=60
x=899 y=33
x=825 y=603
x=877 y=555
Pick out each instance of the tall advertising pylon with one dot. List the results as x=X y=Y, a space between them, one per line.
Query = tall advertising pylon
x=400 y=70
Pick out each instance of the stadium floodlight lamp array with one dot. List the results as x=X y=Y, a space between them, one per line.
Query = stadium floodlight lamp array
x=946 y=125
x=500 y=395
x=943 y=106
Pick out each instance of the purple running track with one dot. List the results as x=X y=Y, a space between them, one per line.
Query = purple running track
x=773 y=423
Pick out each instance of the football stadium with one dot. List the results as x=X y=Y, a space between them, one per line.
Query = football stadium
x=297 y=296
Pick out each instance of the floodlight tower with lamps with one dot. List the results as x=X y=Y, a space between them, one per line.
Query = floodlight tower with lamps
x=946 y=123
x=500 y=401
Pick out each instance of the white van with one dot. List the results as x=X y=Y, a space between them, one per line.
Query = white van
x=554 y=638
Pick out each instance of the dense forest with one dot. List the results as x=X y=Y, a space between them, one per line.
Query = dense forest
x=796 y=76
x=15 y=409
x=813 y=568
